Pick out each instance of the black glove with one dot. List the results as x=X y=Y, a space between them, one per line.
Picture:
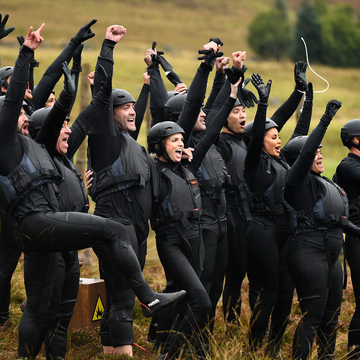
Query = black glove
x=21 y=40
x=84 y=33
x=155 y=57
x=209 y=56
x=234 y=75
x=332 y=108
x=217 y=40
x=5 y=32
x=263 y=91
x=69 y=80
x=309 y=94
x=300 y=75
x=247 y=97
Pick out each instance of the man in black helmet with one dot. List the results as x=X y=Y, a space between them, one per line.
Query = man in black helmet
x=347 y=176
x=123 y=190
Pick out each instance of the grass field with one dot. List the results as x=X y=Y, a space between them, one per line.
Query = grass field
x=180 y=27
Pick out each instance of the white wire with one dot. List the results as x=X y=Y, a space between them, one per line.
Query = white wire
x=307 y=60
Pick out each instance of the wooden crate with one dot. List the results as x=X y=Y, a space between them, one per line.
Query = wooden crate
x=90 y=305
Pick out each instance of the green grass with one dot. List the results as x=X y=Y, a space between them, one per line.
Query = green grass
x=180 y=27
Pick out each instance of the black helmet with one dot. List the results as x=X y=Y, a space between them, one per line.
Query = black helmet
x=293 y=147
x=2 y=98
x=348 y=131
x=246 y=135
x=174 y=106
x=171 y=94
x=4 y=73
x=121 y=96
x=159 y=132
x=37 y=119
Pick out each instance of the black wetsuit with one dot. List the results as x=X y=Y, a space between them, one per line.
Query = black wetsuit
x=267 y=233
x=9 y=251
x=179 y=243
x=313 y=251
x=126 y=201
x=40 y=227
x=348 y=176
x=233 y=150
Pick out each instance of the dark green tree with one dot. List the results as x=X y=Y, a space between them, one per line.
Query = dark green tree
x=307 y=26
x=341 y=37
x=269 y=34
x=281 y=6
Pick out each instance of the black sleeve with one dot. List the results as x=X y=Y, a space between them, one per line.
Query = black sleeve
x=350 y=229
x=194 y=101
x=254 y=166
x=219 y=81
x=50 y=130
x=105 y=59
x=85 y=120
x=302 y=166
x=253 y=156
x=220 y=99
x=285 y=111
x=140 y=108
x=14 y=96
x=211 y=133
x=158 y=95
x=51 y=76
x=10 y=149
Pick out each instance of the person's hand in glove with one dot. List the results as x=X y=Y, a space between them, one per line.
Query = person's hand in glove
x=332 y=108
x=300 y=76
x=69 y=79
x=209 y=53
x=263 y=91
x=84 y=33
x=5 y=32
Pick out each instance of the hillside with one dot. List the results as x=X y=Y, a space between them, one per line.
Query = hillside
x=175 y=24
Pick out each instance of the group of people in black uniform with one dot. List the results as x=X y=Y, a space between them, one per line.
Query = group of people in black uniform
x=222 y=196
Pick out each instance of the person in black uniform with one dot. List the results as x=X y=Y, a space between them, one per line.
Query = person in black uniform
x=9 y=251
x=73 y=197
x=233 y=143
x=347 y=176
x=176 y=216
x=211 y=175
x=318 y=217
x=29 y=196
x=123 y=187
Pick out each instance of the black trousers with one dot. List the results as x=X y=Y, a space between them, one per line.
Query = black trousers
x=236 y=264
x=318 y=279
x=271 y=286
x=352 y=246
x=182 y=262
x=57 y=232
x=9 y=257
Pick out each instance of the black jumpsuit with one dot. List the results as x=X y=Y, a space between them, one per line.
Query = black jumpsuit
x=313 y=251
x=179 y=243
x=233 y=150
x=128 y=202
x=348 y=176
x=73 y=197
x=9 y=251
